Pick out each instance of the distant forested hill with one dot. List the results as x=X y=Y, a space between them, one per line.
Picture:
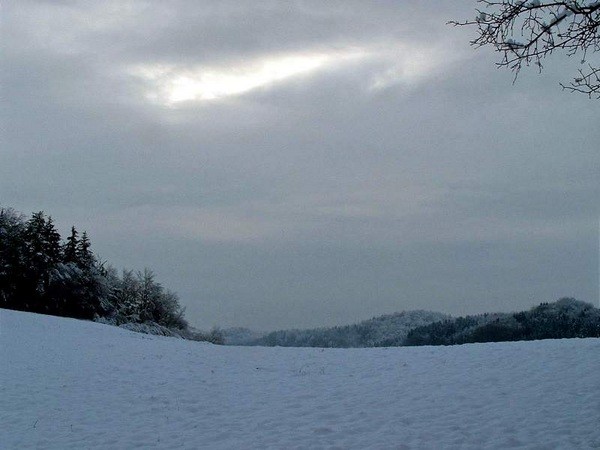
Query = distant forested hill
x=565 y=318
x=240 y=336
x=369 y=333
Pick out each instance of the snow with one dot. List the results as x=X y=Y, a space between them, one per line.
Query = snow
x=73 y=384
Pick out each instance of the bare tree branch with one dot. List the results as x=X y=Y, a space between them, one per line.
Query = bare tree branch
x=527 y=31
x=587 y=83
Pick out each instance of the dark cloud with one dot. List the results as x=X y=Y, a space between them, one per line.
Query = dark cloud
x=413 y=175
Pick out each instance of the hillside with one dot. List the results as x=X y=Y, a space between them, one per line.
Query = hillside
x=368 y=333
x=565 y=318
x=70 y=384
x=241 y=336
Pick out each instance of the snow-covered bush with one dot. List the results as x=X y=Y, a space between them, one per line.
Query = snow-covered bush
x=151 y=328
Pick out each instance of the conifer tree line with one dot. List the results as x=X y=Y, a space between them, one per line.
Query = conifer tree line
x=566 y=318
x=40 y=272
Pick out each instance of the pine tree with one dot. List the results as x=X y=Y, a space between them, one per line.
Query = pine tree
x=13 y=252
x=52 y=242
x=40 y=259
x=85 y=257
x=70 y=247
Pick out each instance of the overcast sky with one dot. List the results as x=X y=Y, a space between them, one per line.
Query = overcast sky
x=301 y=163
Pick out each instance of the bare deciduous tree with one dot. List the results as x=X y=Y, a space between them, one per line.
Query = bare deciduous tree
x=527 y=31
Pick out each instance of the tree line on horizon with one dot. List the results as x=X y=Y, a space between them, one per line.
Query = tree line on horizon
x=562 y=319
x=368 y=333
x=42 y=273
x=565 y=318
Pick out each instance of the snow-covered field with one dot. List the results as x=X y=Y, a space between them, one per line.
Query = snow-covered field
x=71 y=384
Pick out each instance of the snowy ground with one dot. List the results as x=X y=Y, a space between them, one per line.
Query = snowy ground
x=71 y=384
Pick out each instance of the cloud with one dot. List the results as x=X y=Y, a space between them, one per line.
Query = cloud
x=407 y=64
x=171 y=84
x=347 y=158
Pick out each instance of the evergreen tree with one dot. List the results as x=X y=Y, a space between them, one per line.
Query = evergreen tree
x=70 y=247
x=43 y=253
x=52 y=243
x=13 y=251
x=85 y=258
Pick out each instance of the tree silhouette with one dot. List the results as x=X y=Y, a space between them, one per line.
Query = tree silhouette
x=525 y=32
x=70 y=247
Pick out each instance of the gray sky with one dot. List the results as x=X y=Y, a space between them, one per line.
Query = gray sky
x=293 y=164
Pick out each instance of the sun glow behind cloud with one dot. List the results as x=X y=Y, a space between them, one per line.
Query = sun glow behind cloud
x=211 y=85
x=172 y=85
x=383 y=66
